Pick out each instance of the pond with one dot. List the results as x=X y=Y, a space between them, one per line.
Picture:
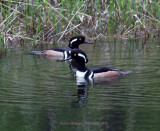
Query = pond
x=41 y=94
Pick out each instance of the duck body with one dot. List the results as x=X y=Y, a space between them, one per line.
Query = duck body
x=79 y=59
x=98 y=72
x=63 y=53
x=57 y=52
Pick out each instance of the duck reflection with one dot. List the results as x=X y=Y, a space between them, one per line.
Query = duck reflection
x=82 y=92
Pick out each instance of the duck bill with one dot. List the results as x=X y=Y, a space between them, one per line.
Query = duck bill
x=87 y=42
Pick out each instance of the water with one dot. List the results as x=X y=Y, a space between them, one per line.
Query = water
x=39 y=94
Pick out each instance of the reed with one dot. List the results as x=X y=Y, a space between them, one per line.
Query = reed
x=2 y=45
x=45 y=20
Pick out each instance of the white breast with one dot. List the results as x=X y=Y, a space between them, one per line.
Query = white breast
x=80 y=74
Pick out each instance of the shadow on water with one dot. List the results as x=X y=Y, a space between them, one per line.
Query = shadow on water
x=37 y=93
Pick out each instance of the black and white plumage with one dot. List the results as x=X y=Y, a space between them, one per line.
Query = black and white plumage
x=79 y=59
x=63 y=53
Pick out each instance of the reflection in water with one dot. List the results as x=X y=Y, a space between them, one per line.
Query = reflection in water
x=81 y=95
x=82 y=92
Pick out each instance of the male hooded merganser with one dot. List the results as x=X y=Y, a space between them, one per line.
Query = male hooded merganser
x=63 y=52
x=79 y=59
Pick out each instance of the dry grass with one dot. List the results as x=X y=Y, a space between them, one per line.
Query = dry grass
x=45 y=21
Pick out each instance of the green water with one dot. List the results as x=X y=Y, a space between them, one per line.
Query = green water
x=39 y=94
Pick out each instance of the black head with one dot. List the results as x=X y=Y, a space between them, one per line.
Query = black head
x=77 y=40
x=79 y=56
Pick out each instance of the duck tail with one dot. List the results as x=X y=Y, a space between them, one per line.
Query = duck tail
x=34 y=52
x=126 y=72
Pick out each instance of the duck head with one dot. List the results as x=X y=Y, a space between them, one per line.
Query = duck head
x=77 y=40
x=79 y=56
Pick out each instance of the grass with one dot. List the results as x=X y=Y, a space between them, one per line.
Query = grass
x=44 y=21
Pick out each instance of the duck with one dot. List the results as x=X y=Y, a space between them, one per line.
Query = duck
x=63 y=53
x=79 y=58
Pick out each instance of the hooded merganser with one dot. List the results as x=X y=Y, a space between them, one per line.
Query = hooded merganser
x=79 y=58
x=64 y=53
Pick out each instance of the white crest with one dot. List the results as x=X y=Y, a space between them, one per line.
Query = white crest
x=73 y=41
x=81 y=55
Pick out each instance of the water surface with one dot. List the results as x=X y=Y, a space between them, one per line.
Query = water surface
x=39 y=94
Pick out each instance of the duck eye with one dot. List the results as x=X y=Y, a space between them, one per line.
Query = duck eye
x=75 y=55
x=80 y=39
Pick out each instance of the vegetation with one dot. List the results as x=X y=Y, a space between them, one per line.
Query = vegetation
x=42 y=21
